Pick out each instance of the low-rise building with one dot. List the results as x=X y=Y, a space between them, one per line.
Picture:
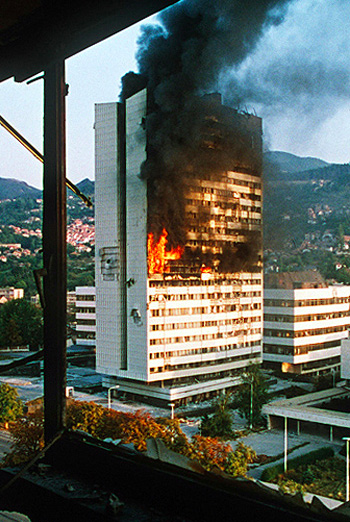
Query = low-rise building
x=71 y=300
x=85 y=315
x=305 y=321
x=9 y=293
x=324 y=412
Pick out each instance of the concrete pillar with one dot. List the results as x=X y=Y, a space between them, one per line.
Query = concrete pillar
x=285 y=443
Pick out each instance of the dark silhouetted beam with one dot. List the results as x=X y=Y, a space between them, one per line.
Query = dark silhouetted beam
x=54 y=249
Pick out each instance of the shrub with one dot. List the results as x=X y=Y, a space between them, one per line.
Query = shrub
x=10 y=404
x=239 y=460
x=270 y=473
x=134 y=428
x=219 y=424
x=85 y=416
x=28 y=437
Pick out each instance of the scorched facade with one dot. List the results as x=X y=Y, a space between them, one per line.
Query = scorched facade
x=176 y=323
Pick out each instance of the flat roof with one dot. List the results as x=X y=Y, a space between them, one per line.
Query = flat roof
x=302 y=408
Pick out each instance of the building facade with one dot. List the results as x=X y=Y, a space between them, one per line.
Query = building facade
x=9 y=293
x=182 y=323
x=71 y=302
x=305 y=321
x=85 y=315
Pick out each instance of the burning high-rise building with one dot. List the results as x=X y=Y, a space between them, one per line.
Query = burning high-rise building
x=178 y=249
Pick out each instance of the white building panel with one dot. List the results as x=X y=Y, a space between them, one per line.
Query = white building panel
x=316 y=355
x=106 y=229
x=317 y=339
x=136 y=224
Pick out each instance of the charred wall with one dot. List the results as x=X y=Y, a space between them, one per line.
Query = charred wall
x=191 y=190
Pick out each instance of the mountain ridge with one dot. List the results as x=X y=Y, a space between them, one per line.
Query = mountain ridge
x=12 y=188
x=285 y=162
x=291 y=163
x=276 y=163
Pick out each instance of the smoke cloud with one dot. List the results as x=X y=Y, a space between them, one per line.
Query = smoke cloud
x=197 y=41
x=298 y=75
x=181 y=59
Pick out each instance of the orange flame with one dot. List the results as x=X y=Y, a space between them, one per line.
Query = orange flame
x=286 y=367
x=205 y=269
x=158 y=256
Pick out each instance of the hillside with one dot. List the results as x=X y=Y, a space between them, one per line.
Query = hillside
x=18 y=202
x=335 y=174
x=302 y=205
x=20 y=236
x=13 y=188
x=305 y=202
x=289 y=163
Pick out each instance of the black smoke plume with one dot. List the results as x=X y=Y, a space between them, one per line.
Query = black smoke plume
x=180 y=60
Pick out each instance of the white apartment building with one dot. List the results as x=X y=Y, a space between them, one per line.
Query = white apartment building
x=71 y=301
x=175 y=330
x=85 y=315
x=9 y=293
x=305 y=321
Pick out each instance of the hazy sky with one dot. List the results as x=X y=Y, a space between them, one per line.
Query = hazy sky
x=297 y=79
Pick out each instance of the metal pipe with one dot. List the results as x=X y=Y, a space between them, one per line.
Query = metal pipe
x=285 y=443
x=7 y=126
x=172 y=406
x=347 y=469
x=109 y=394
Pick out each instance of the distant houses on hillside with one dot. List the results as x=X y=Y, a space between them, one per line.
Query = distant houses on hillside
x=9 y=293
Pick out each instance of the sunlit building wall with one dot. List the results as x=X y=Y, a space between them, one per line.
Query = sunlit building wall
x=304 y=326
x=85 y=315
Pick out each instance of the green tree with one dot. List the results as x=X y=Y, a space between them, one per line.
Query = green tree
x=13 y=334
x=252 y=395
x=219 y=424
x=340 y=235
x=10 y=404
x=21 y=323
